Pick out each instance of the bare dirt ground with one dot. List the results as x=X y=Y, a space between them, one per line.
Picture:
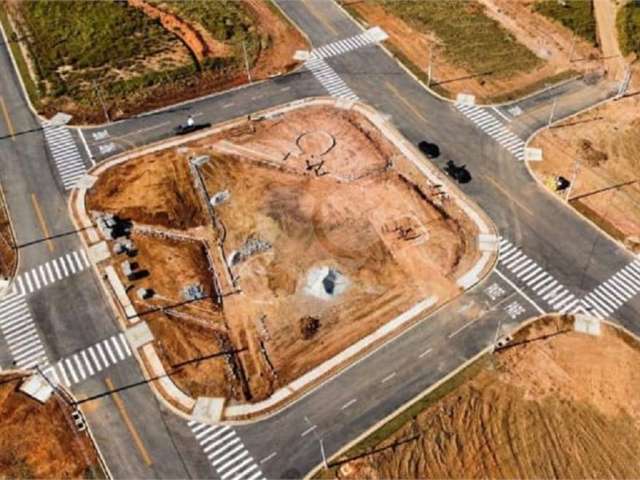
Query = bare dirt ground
x=41 y=441
x=559 y=404
x=320 y=233
x=605 y=13
x=549 y=41
x=599 y=151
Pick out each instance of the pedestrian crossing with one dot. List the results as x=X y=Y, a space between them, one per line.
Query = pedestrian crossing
x=610 y=295
x=226 y=451
x=19 y=331
x=373 y=35
x=65 y=153
x=329 y=79
x=50 y=272
x=543 y=284
x=88 y=362
x=494 y=128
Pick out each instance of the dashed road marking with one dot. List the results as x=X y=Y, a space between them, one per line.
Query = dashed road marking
x=388 y=377
x=348 y=404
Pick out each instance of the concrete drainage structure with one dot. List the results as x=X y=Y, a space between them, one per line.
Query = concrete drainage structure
x=325 y=282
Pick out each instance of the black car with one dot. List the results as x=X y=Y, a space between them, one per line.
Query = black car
x=184 y=129
x=430 y=150
x=459 y=173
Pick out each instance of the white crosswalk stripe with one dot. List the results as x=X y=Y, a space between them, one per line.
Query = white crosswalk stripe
x=65 y=153
x=493 y=127
x=50 y=272
x=20 y=333
x=610 y=295
x=226 y=451
x=373 y=35
x=329 y=79
x=527 y=271
x=86 y=363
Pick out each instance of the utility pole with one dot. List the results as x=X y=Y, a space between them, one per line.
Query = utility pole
x=246 y=61
x=429 y=65
x=104 y=108
x=574 y=177
x=573 y=46
x=553 y=111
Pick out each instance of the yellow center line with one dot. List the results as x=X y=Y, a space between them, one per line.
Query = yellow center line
x=406 y=102
x=508 y=195
x=127 y=420
x=43 y=224
x=320 y=17
x=7 y=119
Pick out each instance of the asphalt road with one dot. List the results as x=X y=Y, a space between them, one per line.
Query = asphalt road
x=72 y=313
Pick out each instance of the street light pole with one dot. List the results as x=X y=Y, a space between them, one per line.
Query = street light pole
x=104 y=108
x=429 y=66
x=246 y=61
x=553 y=111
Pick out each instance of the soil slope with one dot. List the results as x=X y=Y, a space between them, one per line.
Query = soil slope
x=40 y=441
x=560 y=404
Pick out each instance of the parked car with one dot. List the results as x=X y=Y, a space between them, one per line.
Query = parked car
x=459 y=173
x=430 y=150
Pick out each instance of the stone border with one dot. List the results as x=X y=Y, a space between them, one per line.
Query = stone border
x=152 y=368
x=449 y=376
x=42 y=119
x=71 y=398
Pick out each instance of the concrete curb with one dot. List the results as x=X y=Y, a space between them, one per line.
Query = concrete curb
x=432 y=92
x=303 y=385
x=71 y=398
x=25 y=93
x=439 y=383
x=552 y=194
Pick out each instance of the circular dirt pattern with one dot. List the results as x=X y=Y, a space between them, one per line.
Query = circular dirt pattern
x=316 y=143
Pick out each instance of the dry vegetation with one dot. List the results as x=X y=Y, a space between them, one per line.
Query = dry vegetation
x=140 y=54
x=41 y=441
x=495 y=49
x=558 y=404
x=326 y=234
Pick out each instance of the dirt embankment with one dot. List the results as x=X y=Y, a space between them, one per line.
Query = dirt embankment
x=41 y=441
x=8 y=249
x=200 y=42
x=599 y=151
x=559 y=404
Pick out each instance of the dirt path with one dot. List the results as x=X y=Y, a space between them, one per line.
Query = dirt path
x=605 y=12
x=195 y=37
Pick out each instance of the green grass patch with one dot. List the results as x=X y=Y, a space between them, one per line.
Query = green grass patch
x=628 y=24
x=23 y=69
x=576 y=15
x=385 y=431
x=470 y=38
